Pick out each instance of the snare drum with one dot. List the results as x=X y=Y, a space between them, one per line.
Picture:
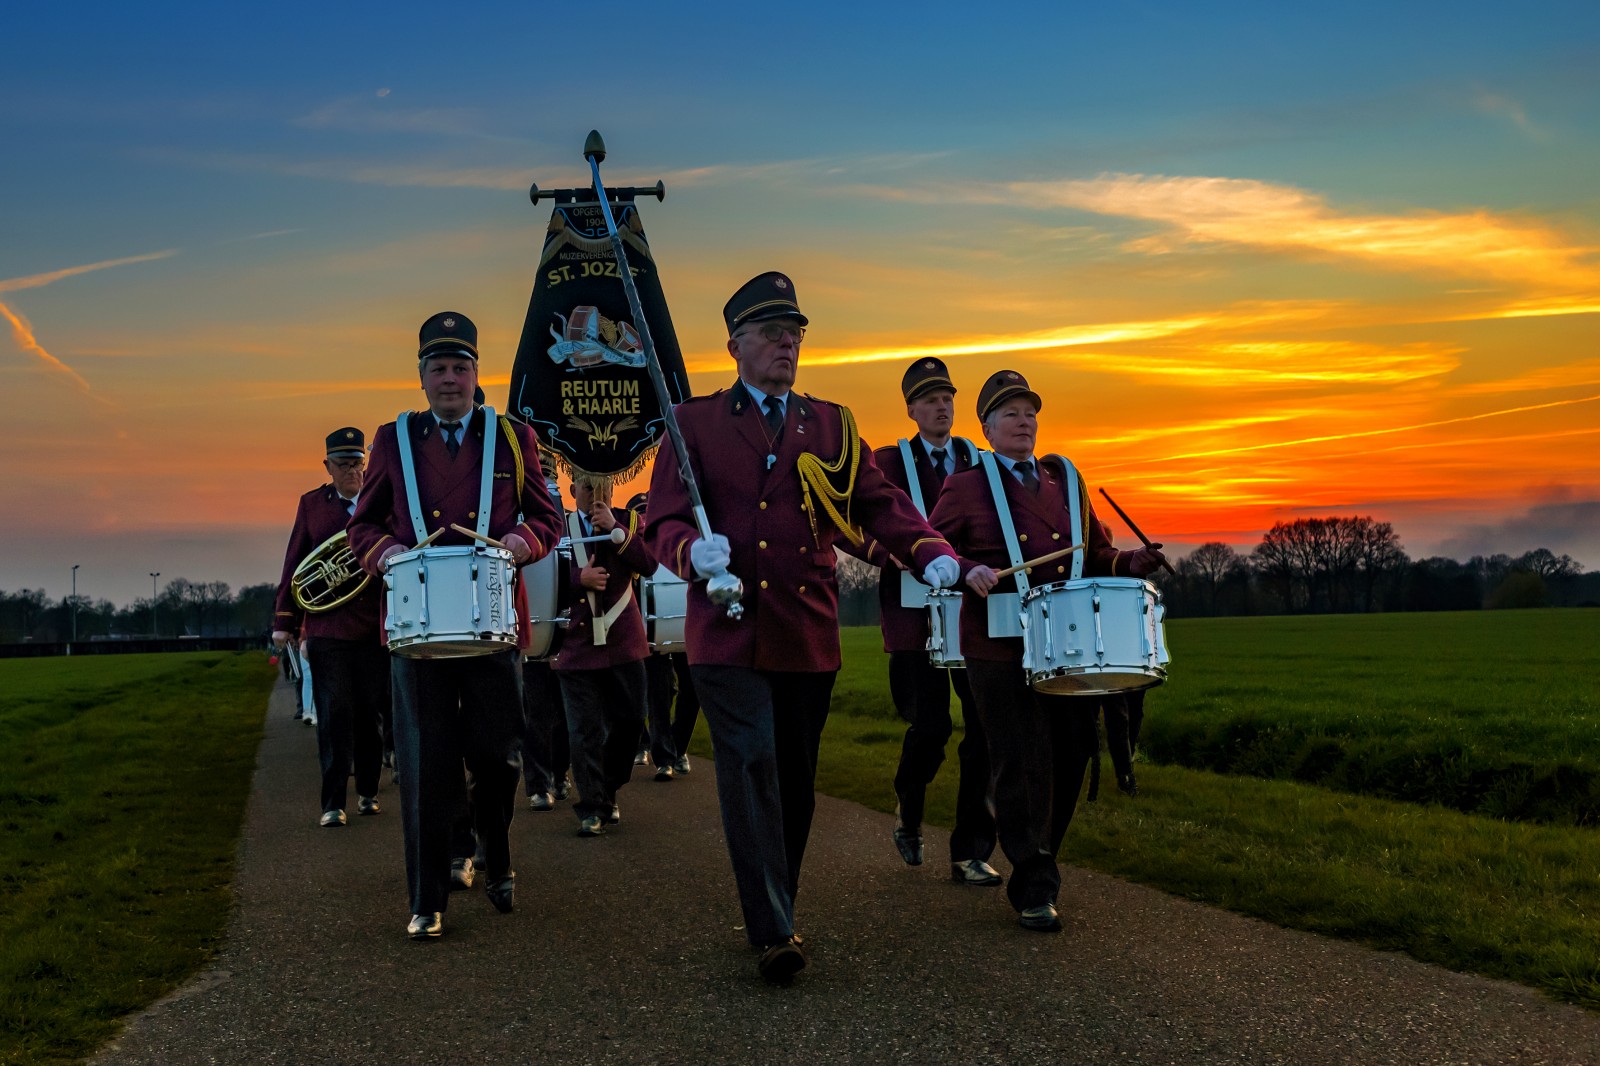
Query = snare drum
x=944 y=629
x=450 y=602
x=1093 y=636
x=665 y=598
x=547 y=581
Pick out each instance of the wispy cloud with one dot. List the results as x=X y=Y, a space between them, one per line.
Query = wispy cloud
x=35 y=281
x=1501 y=106
x=1259 y=214
x=1325 y=438
x=22 y=333
x=1571 y=375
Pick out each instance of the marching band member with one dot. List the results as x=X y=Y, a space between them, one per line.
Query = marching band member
x=1039 y=745
x=672 y=706
x=781 y=477
x=601 y=661
x=920 y=690
x=447 y=710
x=349 y=673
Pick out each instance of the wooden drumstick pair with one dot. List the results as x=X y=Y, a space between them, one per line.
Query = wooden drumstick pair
x=1031 y=563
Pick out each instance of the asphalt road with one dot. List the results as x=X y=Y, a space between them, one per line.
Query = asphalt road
x=628 y=949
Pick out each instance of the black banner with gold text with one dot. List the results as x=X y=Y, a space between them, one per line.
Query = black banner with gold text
x=580 y=378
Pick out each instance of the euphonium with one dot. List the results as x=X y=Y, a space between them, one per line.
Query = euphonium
x=329 y=576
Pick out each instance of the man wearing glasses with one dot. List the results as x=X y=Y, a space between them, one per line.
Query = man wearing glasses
x=349 y=667
x=782 y=477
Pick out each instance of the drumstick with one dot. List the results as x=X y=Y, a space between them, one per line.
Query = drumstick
x=425 y=541
x=1052 y=557
x=475 y=535
x=1135 y=529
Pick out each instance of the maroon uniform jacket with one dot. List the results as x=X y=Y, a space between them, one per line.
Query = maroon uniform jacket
x=905 y=628
x=791 y=594
x=320 y=516
x=449 y=489
x=965 y=514
x=625 y=639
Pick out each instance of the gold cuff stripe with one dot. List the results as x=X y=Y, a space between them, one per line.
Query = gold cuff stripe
x=374 y=548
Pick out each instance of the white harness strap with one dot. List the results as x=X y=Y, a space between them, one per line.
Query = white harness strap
x=1005 y=609
x=603 y=621
x=1080 y=527
x=486 y=491
x=408 y=467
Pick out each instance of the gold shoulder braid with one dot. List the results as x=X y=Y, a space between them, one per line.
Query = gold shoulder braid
x=516 y=455
x=825 y=480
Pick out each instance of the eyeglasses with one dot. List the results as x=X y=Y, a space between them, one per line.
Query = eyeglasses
x=774 y=331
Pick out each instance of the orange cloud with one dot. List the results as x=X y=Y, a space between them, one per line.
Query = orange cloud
x=22 y=332
x=1260 y=214
x=1571 y=375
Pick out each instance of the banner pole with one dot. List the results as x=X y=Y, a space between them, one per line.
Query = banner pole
x=723 y=588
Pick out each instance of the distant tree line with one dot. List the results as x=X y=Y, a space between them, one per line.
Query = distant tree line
x=1307 y=566
x=183 y=608
x=1356 y=564
x=1324 y=565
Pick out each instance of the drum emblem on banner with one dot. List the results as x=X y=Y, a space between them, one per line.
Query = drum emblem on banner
x=588 y=339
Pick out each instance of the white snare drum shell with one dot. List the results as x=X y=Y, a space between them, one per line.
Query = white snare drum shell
x=944 y=629
x=665 y=598
x=450 y=602
x=1094 y=636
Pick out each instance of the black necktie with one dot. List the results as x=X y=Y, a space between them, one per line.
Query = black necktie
x=774 y=418
x=937 y=481
x=450 y=441
x=349 y=505
x=1030 y=480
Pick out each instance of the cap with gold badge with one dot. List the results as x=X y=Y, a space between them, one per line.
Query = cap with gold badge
x=769 y=295
x=346 y=443
x=1002 y=386
x=448 y=333
x=924 y=375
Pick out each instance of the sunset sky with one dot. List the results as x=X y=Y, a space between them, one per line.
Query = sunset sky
x=1260 y=262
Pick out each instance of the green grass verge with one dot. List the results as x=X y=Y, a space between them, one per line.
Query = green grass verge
x=1475 y=894
x=1490 y=712
x=123 y=782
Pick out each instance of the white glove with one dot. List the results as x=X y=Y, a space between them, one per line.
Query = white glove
x=280 y=637
x=709 y=555
x=390 y=551
x=942 y=572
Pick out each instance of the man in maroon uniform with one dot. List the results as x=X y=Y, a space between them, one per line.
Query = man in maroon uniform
x=781 y=477
x=450 y=709
x=601 y=662
x=920 y=690
x=1039 y=745
x=349 y=667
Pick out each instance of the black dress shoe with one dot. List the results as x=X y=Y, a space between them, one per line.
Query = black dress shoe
x=614 y=815
x=461 y=874
x=909 y=844
x=780 y=962
x=425 y=926
x=1041 y=919
x=500 y=891
x=974 y=872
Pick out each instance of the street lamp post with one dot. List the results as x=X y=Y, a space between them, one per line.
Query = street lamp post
x=75 y=602
x=155 y=630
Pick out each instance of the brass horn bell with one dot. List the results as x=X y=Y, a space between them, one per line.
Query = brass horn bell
x=329 y=577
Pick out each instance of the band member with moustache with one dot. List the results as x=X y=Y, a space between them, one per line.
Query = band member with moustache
x=450 y=710
x=782 y=477
x=1039 y=745
x=601 y=662
x=920 y=690
x=349 y=670
x=673 y=708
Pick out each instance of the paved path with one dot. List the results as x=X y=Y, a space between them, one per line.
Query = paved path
x=626 y=948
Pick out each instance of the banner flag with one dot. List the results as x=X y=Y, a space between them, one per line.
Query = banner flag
x=580 y=378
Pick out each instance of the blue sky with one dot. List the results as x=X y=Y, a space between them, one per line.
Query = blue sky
x=251 y=208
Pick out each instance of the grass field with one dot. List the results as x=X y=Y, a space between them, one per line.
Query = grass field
x=123 y=781
x=1474 y=893
x=122 y=788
